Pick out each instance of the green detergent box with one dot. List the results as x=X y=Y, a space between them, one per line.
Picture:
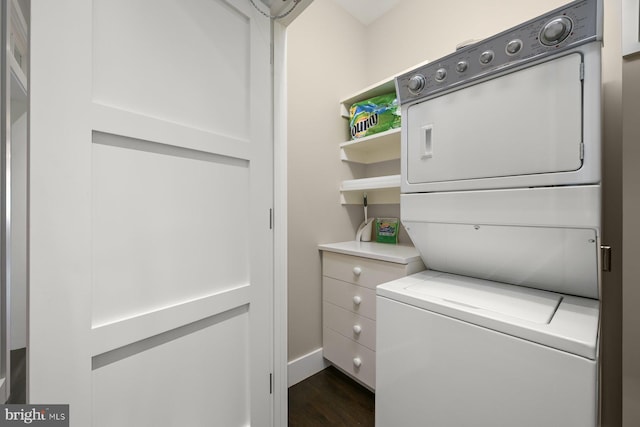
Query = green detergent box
x=387 y=230
x=374 y=115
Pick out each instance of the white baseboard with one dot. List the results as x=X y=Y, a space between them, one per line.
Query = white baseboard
x=305 y=366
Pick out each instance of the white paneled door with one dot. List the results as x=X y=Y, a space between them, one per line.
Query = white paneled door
x=151 y=245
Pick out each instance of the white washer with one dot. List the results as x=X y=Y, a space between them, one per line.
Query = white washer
x=501 y=195
x=472 y=353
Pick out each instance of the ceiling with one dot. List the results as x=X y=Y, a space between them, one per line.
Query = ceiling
x=367 y=11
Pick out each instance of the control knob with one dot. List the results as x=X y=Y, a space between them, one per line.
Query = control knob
x=462 y=66
x=441 y=74
x=513 y=47
x=555 y=31
x=416 y=83
x=486 y=57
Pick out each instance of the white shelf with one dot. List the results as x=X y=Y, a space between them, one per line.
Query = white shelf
x=373 y=183
x=376 y=148
x=372 y=149
x=387 y=85
x=380 y=190
x=377 y=89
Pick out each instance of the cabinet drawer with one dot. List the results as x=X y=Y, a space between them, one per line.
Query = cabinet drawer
x=353 y=326
x=361 y=271
x=351 y=297
x=347 y=354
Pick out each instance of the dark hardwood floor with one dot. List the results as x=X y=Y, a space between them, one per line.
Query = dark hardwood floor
x=18 y=376
x=330 y=398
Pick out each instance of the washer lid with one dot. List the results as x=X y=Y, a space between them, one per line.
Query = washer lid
x=563 y=322
x=475 y=294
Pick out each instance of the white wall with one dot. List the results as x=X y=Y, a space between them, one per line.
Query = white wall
x=326 y=62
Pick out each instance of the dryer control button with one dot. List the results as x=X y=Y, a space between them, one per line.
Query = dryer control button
x=513 y=47
x=486 y=57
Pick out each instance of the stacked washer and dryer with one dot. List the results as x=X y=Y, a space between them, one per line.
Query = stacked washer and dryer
x=501 y=195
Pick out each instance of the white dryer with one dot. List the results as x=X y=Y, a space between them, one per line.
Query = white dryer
x=501 y=196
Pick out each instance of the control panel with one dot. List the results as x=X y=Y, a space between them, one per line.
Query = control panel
x=562 y=29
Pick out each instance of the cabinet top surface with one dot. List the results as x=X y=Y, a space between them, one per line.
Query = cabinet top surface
x=400 y=253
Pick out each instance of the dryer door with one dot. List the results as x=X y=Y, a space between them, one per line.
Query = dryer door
x=545 y=238
x=528 y=122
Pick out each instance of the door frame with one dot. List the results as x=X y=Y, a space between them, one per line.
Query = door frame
x=280 y=313
x=280 y=283
x=5 y=180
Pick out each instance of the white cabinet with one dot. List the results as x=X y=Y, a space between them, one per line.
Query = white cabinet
x=350 y=273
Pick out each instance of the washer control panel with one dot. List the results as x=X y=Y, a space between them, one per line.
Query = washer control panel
x=561 y=29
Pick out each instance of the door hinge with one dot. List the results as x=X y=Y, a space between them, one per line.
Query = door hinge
x=582 y=71
x=582 y=151
x=270 y=383
x=271 y=219
x=606 y=258
x=271 y=54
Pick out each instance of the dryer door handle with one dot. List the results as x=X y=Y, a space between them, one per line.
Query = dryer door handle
x=426 y=141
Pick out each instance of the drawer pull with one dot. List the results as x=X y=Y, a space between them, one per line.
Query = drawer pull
x=357 y=300
x=357 y=362
x=357 y=271
x=357 y=329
